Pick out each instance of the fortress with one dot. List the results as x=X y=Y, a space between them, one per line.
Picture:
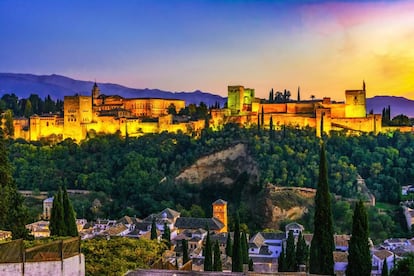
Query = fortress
x=323 y=115
x=85 y=116
x=99 y=113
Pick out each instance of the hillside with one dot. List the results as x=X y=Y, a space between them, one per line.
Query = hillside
x=278 y=204
x=222 y=167
x=59 y=86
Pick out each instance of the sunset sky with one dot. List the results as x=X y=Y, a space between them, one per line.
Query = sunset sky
x=323 y=46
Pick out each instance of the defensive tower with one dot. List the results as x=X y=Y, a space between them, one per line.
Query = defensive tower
x=220 y=212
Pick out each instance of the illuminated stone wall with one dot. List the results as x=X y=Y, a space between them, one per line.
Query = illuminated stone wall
x=45 y=126
x=350 y=115
x=355 y=104
x=77 y=113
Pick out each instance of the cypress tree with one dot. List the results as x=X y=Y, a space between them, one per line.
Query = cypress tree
x=322 y=245
x=208 y=254
x=251 y=268
x=185 y=251
x=262 y=118
x=281 y=262
x=290 y=253
x=69 y=216
x=57 y=224
x=237 y=258
x=384 y=271
x=167 y=235
x=244 y=248
x=13 y=212
x=359 y=258
x=229 y=246
x=217 y=265
x=302 y=251
x=272 y=131
x=154 y=235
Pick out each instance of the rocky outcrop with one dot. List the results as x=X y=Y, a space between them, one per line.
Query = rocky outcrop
x=221 y=167
x=286 y=203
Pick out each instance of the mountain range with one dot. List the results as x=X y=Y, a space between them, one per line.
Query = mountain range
x=58 y=86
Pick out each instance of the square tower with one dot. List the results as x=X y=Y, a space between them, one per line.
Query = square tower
x=220 y=212
x=355 y=101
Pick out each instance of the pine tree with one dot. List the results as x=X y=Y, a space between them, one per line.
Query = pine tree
x=384 y=271
x=302 y=251
x=69 y=216
x=208 y=254
x=154 y=234
x=229 y=246
x=359 y=258
x=290 y=253
x=281 y=262
x=185 y=251
x=217 y=265
x=166 y=235
x=237 y=257
x=57 y=224
x=13 y=212
x=322 y=245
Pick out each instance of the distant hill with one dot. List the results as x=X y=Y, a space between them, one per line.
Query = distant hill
x=399 y=105
x=59 y=86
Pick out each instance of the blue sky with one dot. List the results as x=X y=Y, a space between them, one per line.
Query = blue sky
x=323 y=46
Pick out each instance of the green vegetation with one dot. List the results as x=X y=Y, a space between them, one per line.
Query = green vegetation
x=302 y=251
x=154 y=234
x=229 y=246
x=69 y=216
x=359 y=259
x=13 y=214
x=217 y=265
x=244 y=248
x=62 y=218
x=208 y=254
x=185 y=251
x=32 y=105
x=322 y=245
x=102 y=256
x=124 y=175
x=290 y=258
x=166 y=235
x=237 y=255
x=384 y=271
x=404 y=267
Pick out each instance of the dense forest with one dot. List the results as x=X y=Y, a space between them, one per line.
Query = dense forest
x=135 y=176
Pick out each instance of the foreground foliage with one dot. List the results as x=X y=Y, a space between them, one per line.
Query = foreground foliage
x=359 y=258
x=322 y=245
x=13 y=213
x=118 y=255
x=135 y=176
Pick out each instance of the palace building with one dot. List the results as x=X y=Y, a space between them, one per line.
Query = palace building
x=323 y=115
x=105 y=114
